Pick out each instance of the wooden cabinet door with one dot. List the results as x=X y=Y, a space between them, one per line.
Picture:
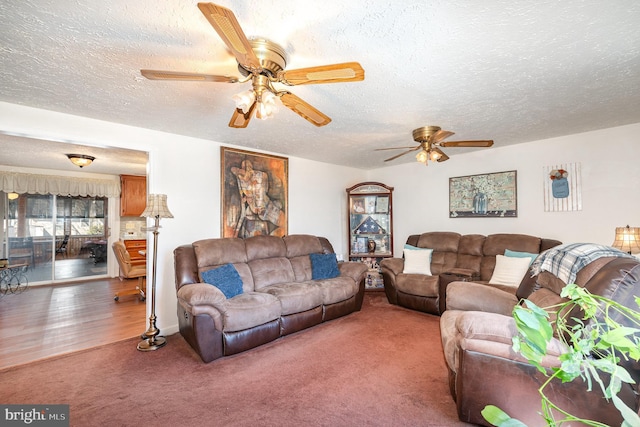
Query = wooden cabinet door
x=133 y=195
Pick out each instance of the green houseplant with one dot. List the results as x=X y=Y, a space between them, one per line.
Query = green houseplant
x=605 y=333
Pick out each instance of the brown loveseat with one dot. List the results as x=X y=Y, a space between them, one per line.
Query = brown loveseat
x=484 y=369
x=455 y=257
x=278 y=295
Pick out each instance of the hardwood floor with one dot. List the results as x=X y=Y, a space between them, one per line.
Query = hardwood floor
x=49 y=320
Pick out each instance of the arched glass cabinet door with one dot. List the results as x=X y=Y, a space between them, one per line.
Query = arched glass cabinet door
x=370 y=227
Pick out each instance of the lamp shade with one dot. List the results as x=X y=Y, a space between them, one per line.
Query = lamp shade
x=156 y=207
x=627 y=239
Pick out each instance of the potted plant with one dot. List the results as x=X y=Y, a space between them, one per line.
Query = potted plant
x=606 y=333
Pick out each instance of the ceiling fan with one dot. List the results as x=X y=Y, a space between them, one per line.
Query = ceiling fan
x=262 y=62
x=430 y=139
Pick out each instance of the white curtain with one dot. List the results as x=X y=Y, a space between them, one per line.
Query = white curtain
x=13 y=182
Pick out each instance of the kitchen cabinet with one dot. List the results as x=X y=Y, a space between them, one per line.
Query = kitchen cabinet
x=133 y=195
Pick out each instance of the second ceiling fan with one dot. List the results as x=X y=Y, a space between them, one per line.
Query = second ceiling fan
x=430 y=139
x=263 y=62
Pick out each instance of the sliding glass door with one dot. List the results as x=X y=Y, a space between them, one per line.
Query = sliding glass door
x=57 y=238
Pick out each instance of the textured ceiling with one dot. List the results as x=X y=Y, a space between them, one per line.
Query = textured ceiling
x=511 y=71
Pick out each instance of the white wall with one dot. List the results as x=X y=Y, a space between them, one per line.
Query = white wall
x=610 y=188
x=187 y=170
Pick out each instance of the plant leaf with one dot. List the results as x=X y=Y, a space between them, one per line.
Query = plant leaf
x=631 y=418
x=499 y=418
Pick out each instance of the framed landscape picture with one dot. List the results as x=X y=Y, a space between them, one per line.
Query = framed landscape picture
x=484 y=195
x=254 y=193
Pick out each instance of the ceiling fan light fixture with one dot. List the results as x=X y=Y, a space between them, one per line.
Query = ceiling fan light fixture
x=422 y=156
x=81 y=160
x=435 y=156
x=266 y=106
x=244 y=100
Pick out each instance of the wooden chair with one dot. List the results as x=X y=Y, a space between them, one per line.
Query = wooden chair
x=130 y=270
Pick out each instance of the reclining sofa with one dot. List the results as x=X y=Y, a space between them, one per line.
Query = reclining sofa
x=455 y=257
x=484 y=369
x=276 y=291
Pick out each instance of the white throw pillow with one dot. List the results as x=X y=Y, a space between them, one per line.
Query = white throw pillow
x=417 y=261
x=509 y=271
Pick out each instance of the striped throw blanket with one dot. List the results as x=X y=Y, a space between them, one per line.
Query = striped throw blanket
x=564 y=261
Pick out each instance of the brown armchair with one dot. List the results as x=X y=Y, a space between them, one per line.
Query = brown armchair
x=476 y=332
x=130 y=270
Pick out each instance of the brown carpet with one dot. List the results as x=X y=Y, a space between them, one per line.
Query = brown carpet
x=382 y=366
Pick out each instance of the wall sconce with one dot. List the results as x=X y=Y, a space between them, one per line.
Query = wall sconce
x=13 y=196
x=627 y=239
x=80 y=160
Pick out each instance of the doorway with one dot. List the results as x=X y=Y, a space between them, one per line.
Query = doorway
x=56 y=238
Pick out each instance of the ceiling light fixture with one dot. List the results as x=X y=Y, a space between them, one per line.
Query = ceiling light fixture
x=80 y=160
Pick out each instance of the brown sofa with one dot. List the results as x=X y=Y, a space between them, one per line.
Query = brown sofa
x=484 y=369
x=278 y=296
x=456 y=257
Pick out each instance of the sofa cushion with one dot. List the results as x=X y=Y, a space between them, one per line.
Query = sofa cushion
x=225 y=278
x=418 y=284
x=250 y=309
x=324 y=266
x=302 y=244
x=496 y=244
x=509 y=271
x=265 y=246
x=214 y=252
x=417 y=261
x=295 y=297
x=335 y=290
x=270 y=271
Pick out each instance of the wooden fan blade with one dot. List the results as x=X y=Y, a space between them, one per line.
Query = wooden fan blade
x=177 y=75
x=304 y=109
x=402 y=154
x=443 y=157
x=335 y=73
x=226 y=25
x=392 y=148
x=240 y=119
x=440 y=135
x=479 y=143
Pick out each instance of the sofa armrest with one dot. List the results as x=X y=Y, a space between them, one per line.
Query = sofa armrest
x=196 y=294
x=470 y=296
x=354 y=270
x=491 y=334
x=392 y=265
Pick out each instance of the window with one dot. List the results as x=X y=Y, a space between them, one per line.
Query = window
x=74 y=215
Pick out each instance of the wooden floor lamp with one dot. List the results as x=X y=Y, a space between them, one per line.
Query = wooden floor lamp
x=156 y=208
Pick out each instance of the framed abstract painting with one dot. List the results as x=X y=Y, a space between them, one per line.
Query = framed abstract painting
x=254 y=193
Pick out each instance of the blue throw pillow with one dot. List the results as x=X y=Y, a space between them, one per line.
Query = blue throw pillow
x=324 y=266
x=515 y=254
x=225 y=278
